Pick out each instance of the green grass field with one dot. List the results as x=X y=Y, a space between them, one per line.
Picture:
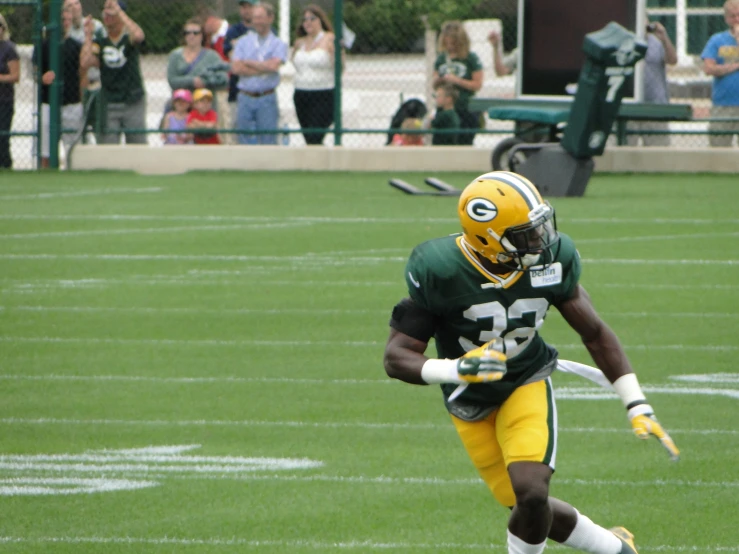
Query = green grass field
x=194 y=364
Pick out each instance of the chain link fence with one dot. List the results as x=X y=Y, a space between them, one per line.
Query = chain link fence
x=386 y=70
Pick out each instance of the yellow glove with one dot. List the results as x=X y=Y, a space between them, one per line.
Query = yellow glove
x=482 y=365
x=644 y=423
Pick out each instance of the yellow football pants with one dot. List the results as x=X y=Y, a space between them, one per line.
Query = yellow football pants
x=523 y=429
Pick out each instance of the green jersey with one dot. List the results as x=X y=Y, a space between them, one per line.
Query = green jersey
x=461 y=67
x=120 y=73
x=445 y=119
x=473 y=306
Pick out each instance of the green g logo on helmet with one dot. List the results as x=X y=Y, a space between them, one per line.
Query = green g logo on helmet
x=481 y=209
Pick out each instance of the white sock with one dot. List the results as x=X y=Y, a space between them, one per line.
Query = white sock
x=589 y=537
x=517 y=546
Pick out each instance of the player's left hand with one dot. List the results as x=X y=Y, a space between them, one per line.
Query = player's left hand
x=645 y=424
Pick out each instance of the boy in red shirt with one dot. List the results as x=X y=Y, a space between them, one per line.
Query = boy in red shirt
x=203 y=116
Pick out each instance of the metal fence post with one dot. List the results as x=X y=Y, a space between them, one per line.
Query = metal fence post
x=54 y=41
x=338 y=68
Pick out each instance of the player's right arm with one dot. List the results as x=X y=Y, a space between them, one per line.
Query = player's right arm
x=411 y=329
x=404 y=358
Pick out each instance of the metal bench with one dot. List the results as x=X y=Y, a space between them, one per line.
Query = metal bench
x=543 y=121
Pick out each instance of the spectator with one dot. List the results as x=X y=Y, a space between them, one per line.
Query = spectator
x=10 y=74
x=445 y=118
x=90 y=79
x=176 y=120
x=116 y=53
x=256 y=59
x=463 y=69
x=660 y=52
x=203 y=116
x=193 y=67
x=215 y=35
x=504 y=64
x=721 y=61
x=313 y=58
x=236 y=31
x=215 y=39
x=70 y=95
x=408 y=139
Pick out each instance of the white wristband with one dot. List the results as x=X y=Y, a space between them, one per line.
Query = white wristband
x=627 y=387
x=641 y=409
x=436 y=371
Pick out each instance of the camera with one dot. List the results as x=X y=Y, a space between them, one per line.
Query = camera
x=652 y=27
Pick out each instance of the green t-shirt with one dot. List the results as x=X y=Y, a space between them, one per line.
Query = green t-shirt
x=471 y=308
x=120 y=73
x=445 y=119
x=461 y=67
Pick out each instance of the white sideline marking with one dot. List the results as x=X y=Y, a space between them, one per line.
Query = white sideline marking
x=311 y=544
x=94 y=192
x=146 y=217
x=33 y=486
x=319 y=425
x=281 y=343
x=62 y=234
x=329 y=260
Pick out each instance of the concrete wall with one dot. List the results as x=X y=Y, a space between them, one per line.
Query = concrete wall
x=179 y=159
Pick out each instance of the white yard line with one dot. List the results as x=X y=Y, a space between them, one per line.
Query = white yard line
x=202 y=311
x=21 y=286
x=312 y=544
x=647 y=238
x=134 y=231
x=329 y=260
x=445 y=427
x=153 y=217
x=226 y=218
x=312 y=343
x=288 y=224
x=181 y=342
x=91 y=192
x=306 y=311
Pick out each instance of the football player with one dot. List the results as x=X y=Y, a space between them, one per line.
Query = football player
x=483 y=295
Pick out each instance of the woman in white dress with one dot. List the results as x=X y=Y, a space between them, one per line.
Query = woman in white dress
x=313 y=58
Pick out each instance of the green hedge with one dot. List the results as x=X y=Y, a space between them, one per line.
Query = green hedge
x=382 y=26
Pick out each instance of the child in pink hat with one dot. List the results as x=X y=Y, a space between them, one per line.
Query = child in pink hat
x=176 y=120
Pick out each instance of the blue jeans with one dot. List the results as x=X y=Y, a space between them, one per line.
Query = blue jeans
x=257 y=114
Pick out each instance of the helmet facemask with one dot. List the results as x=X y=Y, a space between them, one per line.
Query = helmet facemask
x=534 y=243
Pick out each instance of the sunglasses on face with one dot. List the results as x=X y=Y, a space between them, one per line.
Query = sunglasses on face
x=185 y=33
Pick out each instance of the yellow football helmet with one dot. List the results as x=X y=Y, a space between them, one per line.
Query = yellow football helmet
x=505 y=219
